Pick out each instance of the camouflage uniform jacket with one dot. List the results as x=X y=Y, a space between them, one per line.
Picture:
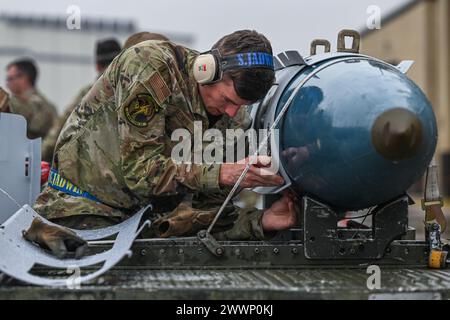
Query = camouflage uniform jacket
x=48 y=145
x=37 y=110
x=116 y=145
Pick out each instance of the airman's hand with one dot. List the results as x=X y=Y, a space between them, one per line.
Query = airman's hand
x=259 y=174
x=281 y=215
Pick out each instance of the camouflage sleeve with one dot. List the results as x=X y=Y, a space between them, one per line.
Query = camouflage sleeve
x=247 y=227
x=141 y=96
x=41 y=120
x=49 y=143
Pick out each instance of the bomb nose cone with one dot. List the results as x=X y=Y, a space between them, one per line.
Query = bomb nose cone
x=397 y=134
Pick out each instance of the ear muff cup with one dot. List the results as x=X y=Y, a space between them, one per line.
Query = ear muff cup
x=205 y=68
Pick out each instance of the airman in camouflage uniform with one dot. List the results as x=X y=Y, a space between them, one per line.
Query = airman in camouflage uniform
x=116 y=145
x=37 y=110
x=25 y=99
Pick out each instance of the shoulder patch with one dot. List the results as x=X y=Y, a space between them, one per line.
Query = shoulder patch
x=141 y=110
x=159 y=87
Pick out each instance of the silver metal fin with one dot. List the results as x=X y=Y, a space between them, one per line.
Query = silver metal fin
x=405 y=65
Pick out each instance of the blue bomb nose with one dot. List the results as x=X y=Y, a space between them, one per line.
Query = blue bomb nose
x=357 y=133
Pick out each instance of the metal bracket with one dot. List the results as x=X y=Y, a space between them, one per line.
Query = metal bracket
x=211 y=243
x=324 y=240
x=288 y=59
x=320 y=42
x=341 y=41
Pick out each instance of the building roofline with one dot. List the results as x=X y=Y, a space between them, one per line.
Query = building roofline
x=59 y=22
x=54 y=58
x=392 y=16
x=116 y=26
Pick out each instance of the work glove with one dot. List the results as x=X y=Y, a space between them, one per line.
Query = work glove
x=62 y=242
x=186 y=221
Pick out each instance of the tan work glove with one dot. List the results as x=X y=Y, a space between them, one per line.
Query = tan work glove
x=186 y=221
x=4 y=100
x=59 y=240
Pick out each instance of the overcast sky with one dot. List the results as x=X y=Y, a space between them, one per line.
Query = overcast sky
x=289 y=24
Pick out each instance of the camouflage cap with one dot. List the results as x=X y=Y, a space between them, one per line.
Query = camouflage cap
x=143 y=36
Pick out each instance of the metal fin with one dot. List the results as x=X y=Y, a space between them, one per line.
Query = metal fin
x=405 y=65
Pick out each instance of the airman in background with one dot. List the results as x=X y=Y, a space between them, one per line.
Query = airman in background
x=27 y=101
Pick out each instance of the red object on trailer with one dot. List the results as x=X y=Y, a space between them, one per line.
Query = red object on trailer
x=45 y=172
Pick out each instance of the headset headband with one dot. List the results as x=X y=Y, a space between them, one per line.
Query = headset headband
x=244 y=60
x=210 y=66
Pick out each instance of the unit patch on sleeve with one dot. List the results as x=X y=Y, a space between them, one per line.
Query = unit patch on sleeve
x=141 y=110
